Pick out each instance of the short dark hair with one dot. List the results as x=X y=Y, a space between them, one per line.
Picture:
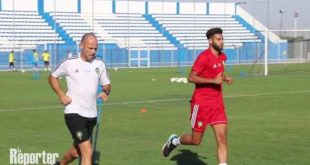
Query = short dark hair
x=213 y=31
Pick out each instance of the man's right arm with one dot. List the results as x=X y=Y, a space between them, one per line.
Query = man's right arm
x=54 y=83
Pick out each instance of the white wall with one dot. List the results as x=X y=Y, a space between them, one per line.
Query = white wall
x=192 y=8
x=222 y=8
x=60 y=5
x=122 y=6
x=130 y=7
x=28 y=5
x=162 y=7
x=100 y=6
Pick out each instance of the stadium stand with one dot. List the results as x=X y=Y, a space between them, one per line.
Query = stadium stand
x=190 y=29
x=127 y=30
x=76 y=26
x=128 y=39
x=133 y=31
x=136 y=32
x=24 y=30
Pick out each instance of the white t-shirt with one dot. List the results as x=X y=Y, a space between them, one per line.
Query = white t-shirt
x=83 y=79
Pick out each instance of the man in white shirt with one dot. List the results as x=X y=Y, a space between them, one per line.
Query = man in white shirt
x=83 y=75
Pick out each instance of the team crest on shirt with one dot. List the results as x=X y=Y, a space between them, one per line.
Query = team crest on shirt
x=79 y=135
x=76 y=70
x=200 y=124
x=217 y=65
x=97 y=70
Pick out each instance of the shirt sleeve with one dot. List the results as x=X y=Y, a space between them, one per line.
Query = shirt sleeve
x=104 y=76
x=199 y=64
x=60 y=70
x=224 y=57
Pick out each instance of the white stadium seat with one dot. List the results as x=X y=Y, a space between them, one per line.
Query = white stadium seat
x=190 y=29
x=24 y=30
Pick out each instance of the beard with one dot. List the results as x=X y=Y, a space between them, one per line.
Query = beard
x=91 y=58
x=217 y=48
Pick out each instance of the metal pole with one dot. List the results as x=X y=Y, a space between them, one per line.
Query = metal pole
x=281 y=21
x=172 y=56
x=148 y=57
x=238 y=51
x=301 y=50
x=295 y=26
x=268 y=14
x=279 y=52
x=21 y=58
x=266 y=52
x=139 y=57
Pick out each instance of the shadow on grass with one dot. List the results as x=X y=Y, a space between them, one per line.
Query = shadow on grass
x=187 y=157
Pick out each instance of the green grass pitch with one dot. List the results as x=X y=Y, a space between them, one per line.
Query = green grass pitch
x=269 y=118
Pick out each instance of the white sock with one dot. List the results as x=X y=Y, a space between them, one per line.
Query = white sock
x=176 y=141
x=223 y=164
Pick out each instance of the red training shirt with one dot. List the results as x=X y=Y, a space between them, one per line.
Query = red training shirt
x=208 y=65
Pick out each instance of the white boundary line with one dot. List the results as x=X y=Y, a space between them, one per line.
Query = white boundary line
x=158 y=101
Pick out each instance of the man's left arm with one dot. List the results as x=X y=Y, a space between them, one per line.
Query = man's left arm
x=106 y=89
x=105 y=84
x=228 y=79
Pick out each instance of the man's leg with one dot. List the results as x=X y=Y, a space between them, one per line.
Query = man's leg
x=191 y=139
x=86 y=152
x=220 y=132
x=199 y=123
x=70 y=155
x=45 y=65
x=48 y=66
x=12 y=66
x=186 y=139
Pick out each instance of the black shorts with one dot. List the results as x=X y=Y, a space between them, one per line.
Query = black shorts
x=46 y=62
x=81 y=128
x=11 y=63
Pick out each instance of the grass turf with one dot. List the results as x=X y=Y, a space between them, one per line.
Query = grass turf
x=269 y=118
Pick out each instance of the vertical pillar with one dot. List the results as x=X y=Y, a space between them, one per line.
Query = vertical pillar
x=114 y=6
x=146 y=7
x=178 y=8
x=79 y=6
x=41 y=6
